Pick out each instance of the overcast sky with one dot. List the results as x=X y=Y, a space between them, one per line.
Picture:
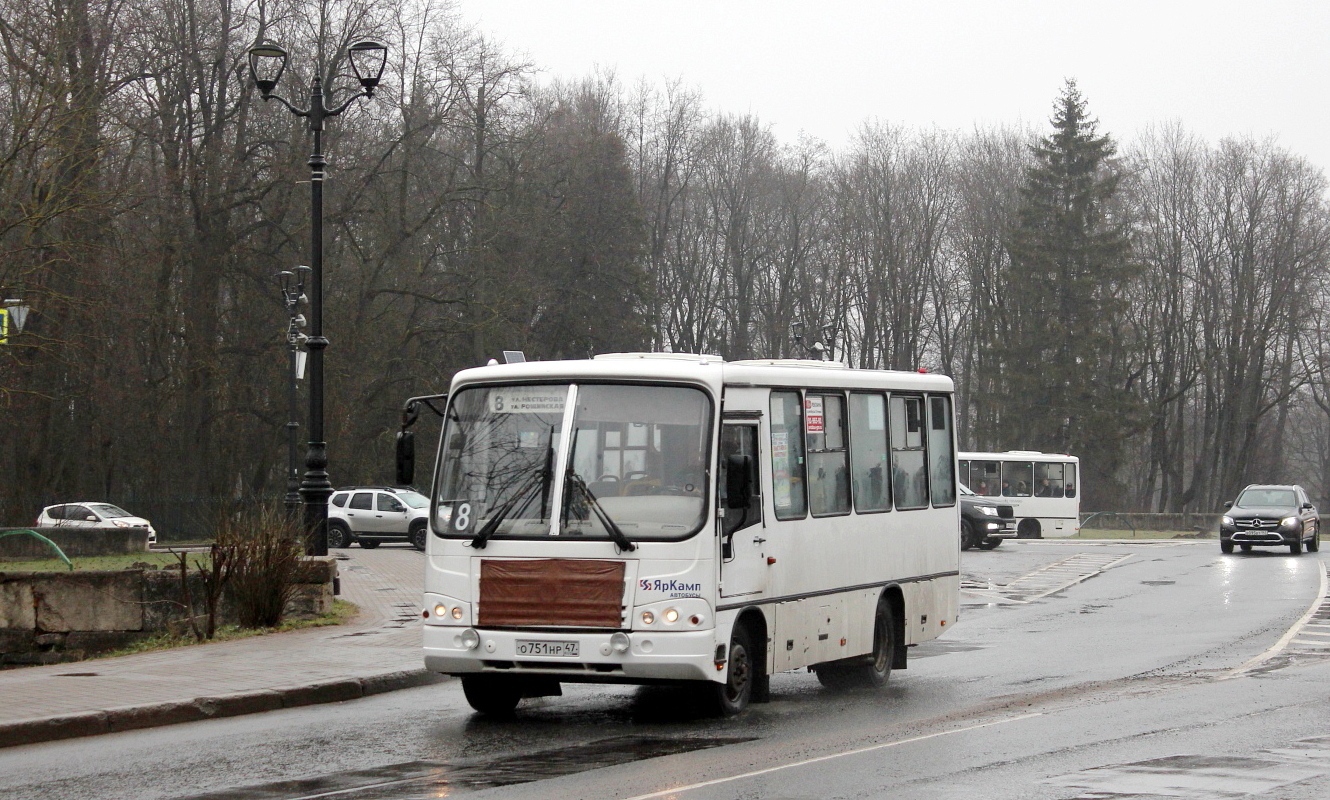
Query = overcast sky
x=1220 y=67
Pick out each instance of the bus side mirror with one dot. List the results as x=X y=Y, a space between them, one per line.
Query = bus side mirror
x=738 y=481
x=406 y=458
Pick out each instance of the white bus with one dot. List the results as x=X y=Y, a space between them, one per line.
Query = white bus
x=1042 y=488
x=646 y=518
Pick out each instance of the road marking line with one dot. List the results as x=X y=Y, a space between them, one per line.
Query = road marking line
x=1292 y=632
x=806 y=762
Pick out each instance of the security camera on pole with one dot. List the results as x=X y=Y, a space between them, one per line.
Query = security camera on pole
x=293 y=296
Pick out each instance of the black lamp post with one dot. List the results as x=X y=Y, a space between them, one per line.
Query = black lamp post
x=267 y=61
x=293 y=294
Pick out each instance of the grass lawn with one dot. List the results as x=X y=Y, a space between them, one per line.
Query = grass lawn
x=90 y=563
x=1129 y=534
x=342 y=612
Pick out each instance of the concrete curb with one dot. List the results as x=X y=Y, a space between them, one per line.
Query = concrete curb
x=128 y=718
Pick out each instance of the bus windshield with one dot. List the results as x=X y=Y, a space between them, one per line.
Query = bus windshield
x=633 y=462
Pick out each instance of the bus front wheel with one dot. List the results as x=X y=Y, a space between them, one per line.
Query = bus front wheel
x=496 y=695
x=733 y=695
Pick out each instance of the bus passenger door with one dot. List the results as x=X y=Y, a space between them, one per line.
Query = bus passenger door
x=742 y=535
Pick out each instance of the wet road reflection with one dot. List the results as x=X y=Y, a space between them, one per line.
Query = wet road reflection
x=424 y=779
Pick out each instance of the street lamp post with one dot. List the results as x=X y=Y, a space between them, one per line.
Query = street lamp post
x=267 y=61
x=293 y=294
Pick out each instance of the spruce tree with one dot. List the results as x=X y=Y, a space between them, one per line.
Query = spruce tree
x=1063 y=356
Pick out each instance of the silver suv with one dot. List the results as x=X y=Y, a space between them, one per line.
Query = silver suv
x=371 y=515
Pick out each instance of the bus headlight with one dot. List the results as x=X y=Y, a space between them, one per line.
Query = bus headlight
x=441 y=610
x=470 y=639
x=648 y=618
x=671 y=616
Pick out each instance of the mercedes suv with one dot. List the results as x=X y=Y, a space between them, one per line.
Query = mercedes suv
x=371 y=515
x=1270 y=516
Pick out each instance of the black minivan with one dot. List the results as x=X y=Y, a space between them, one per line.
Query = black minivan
x=1270 y=516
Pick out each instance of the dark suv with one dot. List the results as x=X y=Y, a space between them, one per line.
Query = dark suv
x=983 y=523
x=1270 y=516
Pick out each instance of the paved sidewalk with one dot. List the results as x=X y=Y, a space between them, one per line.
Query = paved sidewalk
x=378 y=651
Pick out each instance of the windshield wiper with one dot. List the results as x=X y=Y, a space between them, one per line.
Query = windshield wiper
x=489 y=528
x=615 y=532
x=543 y=476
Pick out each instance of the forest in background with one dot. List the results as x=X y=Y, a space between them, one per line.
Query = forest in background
x=1150 y=304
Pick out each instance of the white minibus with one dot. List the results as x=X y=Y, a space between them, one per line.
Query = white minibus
x=652 y=518
x=1043 y=489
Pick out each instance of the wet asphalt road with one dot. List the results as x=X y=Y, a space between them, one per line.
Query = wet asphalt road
x=1127 y=684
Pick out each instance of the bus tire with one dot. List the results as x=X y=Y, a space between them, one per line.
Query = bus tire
x=733 y=695
x=1029 y=529
x=878 y=668
x=495 y=695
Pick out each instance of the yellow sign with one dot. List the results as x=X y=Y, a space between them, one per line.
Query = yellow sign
x=4 y=326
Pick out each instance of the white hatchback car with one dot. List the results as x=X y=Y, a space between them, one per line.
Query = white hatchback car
x=92 y=515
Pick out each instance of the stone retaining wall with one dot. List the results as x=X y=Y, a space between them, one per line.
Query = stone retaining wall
x=75 y=542
x=52 y=617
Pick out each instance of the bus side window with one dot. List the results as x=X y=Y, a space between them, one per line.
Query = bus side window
x=739 y=440
x=868 y=452
x=787 y=456
x=909 y=476
x=828 y=467
x=1048 y=480
x=1071 y=480
x=939 y=451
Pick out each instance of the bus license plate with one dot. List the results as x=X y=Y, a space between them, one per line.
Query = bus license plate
x=529 y=647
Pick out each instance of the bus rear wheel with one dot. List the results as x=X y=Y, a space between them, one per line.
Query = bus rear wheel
x=1029 y=529
x=496 y=695
x=873 y=672
x=733 y=695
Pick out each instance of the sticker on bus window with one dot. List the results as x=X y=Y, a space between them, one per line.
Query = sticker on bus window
x=780 y=463
x=525 y=401
x=813 y=413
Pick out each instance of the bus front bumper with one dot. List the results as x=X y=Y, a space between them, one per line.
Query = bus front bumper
x=651 y=655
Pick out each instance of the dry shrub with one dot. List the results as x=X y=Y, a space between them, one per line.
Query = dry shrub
x=265 y=551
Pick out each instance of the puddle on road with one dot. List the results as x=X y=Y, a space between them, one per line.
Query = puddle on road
x=420 y=779
x=1190 y=776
